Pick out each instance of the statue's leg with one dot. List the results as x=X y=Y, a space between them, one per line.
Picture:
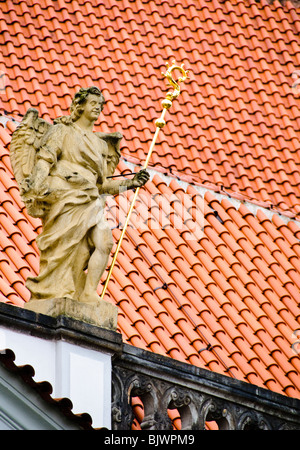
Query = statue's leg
x=101 y=238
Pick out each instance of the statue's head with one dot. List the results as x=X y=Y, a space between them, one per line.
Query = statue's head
x=78 y=103
x=80 y=99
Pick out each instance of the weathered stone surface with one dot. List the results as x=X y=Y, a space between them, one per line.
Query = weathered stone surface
x=199 y=395
x=62 y=327
x=64 y=174
x=102 y=314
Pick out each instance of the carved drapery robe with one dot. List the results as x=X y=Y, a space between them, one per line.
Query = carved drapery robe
x=73 y=207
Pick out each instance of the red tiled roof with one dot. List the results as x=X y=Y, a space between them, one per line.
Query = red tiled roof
x=225 y=297
x=240 y=106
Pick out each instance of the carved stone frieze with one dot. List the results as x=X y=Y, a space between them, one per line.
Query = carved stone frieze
x=199 y=396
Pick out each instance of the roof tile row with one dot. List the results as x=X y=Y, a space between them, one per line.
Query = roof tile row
x=197 y=279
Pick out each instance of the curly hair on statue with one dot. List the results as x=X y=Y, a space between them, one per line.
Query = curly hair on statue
x=78 y=103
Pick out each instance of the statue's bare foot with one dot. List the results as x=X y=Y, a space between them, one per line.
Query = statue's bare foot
x=90 y=297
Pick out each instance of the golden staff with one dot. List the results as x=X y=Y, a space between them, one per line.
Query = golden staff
x=160 y=123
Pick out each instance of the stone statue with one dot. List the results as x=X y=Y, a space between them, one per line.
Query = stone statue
x=62 y=170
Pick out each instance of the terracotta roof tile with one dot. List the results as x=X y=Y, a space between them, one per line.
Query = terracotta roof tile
x=205 y=279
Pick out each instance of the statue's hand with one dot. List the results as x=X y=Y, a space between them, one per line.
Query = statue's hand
x=140 y=178
x=116 y=135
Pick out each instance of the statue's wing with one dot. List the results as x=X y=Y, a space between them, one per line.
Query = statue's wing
x=25 y=142
x=114 y=153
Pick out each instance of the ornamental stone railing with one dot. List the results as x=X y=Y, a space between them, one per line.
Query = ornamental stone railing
x=67 y=352
x=200 y=396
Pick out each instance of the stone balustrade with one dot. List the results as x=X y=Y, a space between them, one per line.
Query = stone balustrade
x=200 y=397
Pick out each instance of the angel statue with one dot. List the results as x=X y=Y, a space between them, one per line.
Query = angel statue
x=64 y=173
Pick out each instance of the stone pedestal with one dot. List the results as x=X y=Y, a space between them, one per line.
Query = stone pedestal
x=101 y=314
